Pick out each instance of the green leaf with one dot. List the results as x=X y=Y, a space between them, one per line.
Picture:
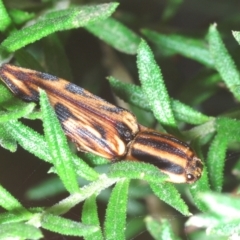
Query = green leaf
x=160 y=230
x=236 y=35
x=58 y=145
x=116 y=35
x=221 y=217
x=66 y=227
x=169 y=194
x=6 y=139
x=115 y=222
x=224 y=63
x=56 y=59
x=230 y=229
x=203 y=220
x=137 y=170
x=201 y=88
x=170 y=9
x=5 y=20
x=27 y=60
x=19 y=16
x=90 y=217
x=65 y=205
x=188 y=47
x=187 y=114
x=202 y=185
x=17 y=113
x=38 y=147
x=19 y=231
x=226 y=206
x=82 y=169
x=133 y=94
x=153 y=86
x=228 y=130
x=6 y=96
x=46 y=189
x=8 y=202
x=58 y=21
x=215 y=161
x=29 y=139
x=15 y=216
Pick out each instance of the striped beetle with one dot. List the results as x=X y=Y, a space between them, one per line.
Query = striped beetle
x=99 y=127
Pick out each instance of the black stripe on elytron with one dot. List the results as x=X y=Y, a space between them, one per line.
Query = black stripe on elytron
x=73 y=88
x=113 y=109
x=124 y=132
x=34 y=97
x=161 y=163
x=19 y=75
x=63 y=113
x=166 y=136
x=162 y=145
x=100 y=129
x=88 y=137
x=46 y=76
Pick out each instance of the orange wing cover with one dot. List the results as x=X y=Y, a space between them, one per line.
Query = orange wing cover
x=92 y=123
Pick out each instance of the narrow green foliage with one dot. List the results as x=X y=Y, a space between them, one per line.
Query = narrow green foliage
x=133 y=94
x=215 y=161
x=55 y=57
x=27 y=60
x=236 y=35
x=90 y=217
x=8 y=202
x=19 y=16
x=201 y=185
x=169 y=194
x=130 y=93
x=222 y=216
x=228 y=130
x=95 y=159
x=65 y=226
x=227 y=229
x=21 y=133
x=153 y=86
x=5 y=96
x=223 y=62
x=82 y=169
x=116 y=35
x=137 y=170
x=7 y=141
x=187 y=114
x=160 y=230
x=186 y=46
x=5 y=19
x=171 y=9
x=46 y=189
x=15 y=216
x=223 y=205
x=95 y=187
x=39 y=147
x=17 y=113
x=58 y=145
x=58 y=21
x=200 y=88
x=202 y=130
x=115 y=222
x=19 y=231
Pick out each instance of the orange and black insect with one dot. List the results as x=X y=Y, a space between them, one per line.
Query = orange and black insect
x=97 y=126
